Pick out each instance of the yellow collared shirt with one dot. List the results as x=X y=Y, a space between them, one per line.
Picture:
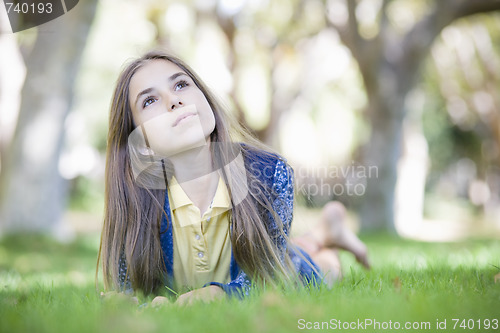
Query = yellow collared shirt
x=202 y=246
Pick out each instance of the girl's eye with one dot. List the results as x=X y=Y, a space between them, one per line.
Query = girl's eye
x=148 y=101
x=181 y=84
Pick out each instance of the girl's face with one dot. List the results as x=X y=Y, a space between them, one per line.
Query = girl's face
x=173 y=111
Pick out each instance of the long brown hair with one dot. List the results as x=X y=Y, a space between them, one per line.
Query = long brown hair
x=133 y=214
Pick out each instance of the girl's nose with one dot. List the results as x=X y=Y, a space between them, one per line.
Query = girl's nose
x=175 y=105
x=175 y=102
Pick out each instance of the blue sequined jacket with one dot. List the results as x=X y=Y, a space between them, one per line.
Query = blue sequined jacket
x=277 y=175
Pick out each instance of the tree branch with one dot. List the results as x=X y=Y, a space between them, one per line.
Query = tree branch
x=366 y=52
x=348 y=33
x=352 y=25
x=419 y=39
x=467 y=7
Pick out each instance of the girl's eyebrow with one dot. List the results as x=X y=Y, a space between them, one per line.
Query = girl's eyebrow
x=144 y=92
x=148 y=90
x=176 y=75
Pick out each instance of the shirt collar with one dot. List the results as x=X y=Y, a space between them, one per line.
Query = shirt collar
x=221 y=198
x=178 y=198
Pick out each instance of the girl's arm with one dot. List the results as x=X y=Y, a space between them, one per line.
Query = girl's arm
x=239 y=287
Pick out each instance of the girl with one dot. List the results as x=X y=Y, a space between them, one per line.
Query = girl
x=192 y=208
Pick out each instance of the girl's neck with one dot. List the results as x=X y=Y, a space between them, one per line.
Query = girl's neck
x=192 y=164
x=194 y=172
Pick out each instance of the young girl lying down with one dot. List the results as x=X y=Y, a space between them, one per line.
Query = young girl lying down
x=194 y=204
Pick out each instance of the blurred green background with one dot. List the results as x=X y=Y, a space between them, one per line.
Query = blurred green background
x=391 y=107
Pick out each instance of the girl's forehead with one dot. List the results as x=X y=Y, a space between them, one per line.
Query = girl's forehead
x=152 y=74
x=157 y=67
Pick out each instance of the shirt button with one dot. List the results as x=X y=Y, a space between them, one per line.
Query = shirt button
x=197 y=237
x=200 y=254
x=208 y=220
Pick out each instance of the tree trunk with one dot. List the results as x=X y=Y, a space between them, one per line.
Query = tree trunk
x=390 y=67
x=382 y=152
x=32 y=192
x=12 y=74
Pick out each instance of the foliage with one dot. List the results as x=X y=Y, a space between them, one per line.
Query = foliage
x=86 y=194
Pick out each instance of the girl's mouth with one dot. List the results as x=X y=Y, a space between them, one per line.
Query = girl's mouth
x=184 y=115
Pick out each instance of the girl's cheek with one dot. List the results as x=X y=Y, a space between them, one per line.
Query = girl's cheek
x=150 y=112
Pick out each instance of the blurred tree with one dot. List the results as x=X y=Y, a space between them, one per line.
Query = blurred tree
x=262 y=29
x=469 y=79
x=32 y=192
x=262 y=36
x=390 y=63
x=462 y=82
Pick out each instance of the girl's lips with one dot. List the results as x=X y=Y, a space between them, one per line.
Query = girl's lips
x=182 y=117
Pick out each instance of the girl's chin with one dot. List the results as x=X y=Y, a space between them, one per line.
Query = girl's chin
x=186 y=148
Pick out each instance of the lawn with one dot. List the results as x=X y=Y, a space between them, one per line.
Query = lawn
x=434 y=287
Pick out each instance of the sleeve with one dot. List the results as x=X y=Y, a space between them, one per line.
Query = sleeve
x=283 y=190
x=239 y=287
x=282 y=202
x=123 y=278
x=282 y=194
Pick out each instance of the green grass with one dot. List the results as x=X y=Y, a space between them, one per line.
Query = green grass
x=49 y=287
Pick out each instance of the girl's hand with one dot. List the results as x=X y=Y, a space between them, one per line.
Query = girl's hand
x=206 y=294
x=159 y=301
